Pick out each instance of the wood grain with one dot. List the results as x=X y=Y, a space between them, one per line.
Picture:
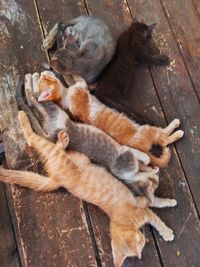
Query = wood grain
x=177 y=100
x=50 y=225
x=8 y=248
x=184 y=21
x=117 y=15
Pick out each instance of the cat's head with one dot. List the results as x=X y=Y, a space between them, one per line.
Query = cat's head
x=141 y=31
x=126 y=242
x=50 y=88
x=139 y=35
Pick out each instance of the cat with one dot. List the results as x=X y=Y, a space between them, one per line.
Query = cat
x=75 y=172
x=124 y=162
x=135 y=46
x=85 y=45
x=85 y=107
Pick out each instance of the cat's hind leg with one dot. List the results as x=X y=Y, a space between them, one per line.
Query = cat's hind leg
x=167 y=136
x=160 y=226
x=50 y=39
x=158 y=202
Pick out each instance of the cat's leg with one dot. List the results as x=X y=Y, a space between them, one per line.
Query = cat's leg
x=167 y=137
x=50 y=39
x=158 y=202
x=157 y=60
x=28 y=179
x=160 y=226
x=63 y=140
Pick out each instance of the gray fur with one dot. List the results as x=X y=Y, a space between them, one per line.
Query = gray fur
x=85 y=46
x=91 y=141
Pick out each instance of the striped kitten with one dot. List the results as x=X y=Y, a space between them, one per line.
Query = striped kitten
x=85 y=107
x=126 y=163
x=78 y=175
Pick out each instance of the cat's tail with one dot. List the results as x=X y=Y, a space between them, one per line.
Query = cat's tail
x=161 y=161
x=125 y=242
x=28 y=179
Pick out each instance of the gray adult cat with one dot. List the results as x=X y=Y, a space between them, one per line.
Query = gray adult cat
x=126 y=163
x=85 y=45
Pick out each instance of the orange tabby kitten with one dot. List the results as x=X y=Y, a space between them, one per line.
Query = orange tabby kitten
x=85 y=107
x=77 y=174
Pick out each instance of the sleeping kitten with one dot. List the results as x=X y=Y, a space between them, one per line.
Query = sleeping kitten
x=85 y=46
x=78 y=175
x=134 y=46
x=85 y=107
x=124 y=162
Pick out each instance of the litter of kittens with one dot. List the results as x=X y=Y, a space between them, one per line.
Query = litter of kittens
x=98 y=145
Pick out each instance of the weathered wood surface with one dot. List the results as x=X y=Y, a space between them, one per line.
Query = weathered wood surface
x=56 y=227
x=177 y=99
x=50 y=225
x=112 y=14
x=8 y=248
x=184 y=21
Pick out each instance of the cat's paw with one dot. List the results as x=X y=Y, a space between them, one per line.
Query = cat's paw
x=180 y=133
x=175 y=123
x=172 y=203
x=168 y=235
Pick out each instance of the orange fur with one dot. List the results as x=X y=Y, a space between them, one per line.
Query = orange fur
x=88 y=109
x=76 y=173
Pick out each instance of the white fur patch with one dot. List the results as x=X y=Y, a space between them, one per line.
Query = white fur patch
x=95 y=107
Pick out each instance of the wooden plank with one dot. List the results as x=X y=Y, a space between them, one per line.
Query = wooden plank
x=184 y=20
x=52 y=227
x=56 y=11
x=8 y=249
x=108 y=11
x=112 y=14
x=197 y=6
x=175 y=91
x=178 y=100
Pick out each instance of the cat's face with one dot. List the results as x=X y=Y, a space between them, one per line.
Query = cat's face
x=50 y=88
x=141 y=36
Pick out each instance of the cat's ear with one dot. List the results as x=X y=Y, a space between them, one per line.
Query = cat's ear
x=118 y=256
x=151 y=27
x=46 y=95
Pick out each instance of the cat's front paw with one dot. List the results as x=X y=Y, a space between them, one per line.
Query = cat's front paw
x=163 y=60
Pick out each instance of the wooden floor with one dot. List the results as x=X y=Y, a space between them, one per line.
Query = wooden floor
x=57 y=229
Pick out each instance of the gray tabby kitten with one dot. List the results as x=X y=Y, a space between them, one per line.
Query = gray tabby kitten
x=85 y=45
x=126 y=163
